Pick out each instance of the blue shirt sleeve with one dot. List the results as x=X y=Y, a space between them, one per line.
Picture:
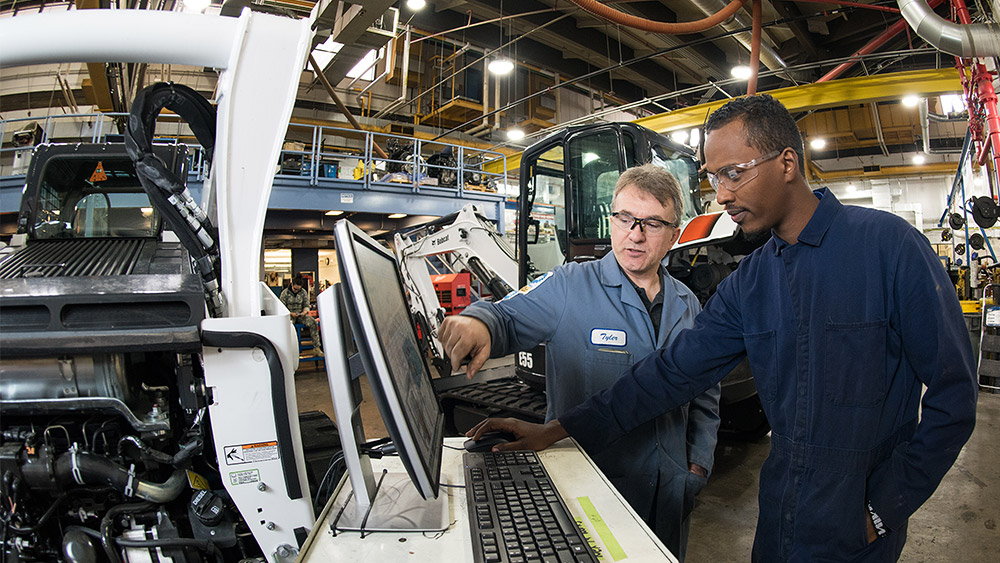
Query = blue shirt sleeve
x=525 y=318
x=936 y=344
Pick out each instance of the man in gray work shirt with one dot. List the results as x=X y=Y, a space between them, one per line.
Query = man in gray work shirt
x=597 y=318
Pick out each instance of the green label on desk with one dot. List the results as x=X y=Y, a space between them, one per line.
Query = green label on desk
x=610 y=541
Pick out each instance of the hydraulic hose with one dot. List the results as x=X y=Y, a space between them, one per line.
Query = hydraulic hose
x=613 y=15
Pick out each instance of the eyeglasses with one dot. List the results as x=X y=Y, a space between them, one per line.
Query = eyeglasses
x=648 y=226
x=734 y=176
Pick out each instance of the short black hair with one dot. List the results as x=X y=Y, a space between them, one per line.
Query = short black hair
x=298 y=280
x=766 y=123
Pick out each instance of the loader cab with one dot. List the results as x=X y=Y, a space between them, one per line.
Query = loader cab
x=89 y=191
x=567 y=182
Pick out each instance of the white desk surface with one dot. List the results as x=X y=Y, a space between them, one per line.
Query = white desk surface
x=575 y=476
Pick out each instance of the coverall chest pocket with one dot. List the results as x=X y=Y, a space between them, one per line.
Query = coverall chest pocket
x=762 y=352
x=602 y=367
x=854 y=363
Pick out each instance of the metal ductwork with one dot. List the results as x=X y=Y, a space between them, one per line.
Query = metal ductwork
x=925 y=128
x=967 y=41
x=768 y=56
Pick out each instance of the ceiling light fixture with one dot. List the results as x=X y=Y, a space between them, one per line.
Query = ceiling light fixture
x=515 y=134
x=741 y=72
x=397 y=215
x=501 y=66
x=334 y=213
x=919 y=159
x=415 y=4
x=818 y=143
x=911 y=100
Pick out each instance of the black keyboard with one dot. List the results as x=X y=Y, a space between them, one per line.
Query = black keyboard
x=515 y=513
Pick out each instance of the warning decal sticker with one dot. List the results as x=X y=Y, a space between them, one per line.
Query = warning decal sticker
x=99 y=175
x=244 y=477
x=251 y=453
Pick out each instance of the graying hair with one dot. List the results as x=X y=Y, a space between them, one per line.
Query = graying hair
x=655 y=181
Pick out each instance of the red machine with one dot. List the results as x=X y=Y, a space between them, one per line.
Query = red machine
x=453 y=291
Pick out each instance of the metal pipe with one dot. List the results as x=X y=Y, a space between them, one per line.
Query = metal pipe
x=853 y=5
x=402 y=79
x=755 y=48
x=983 y=85
x=878 y=128
x=967 y=41
x=615 y=16
x=925 y=129
x=881 y=39
x=768 y=55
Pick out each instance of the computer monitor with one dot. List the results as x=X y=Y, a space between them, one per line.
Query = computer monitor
x=370 y=295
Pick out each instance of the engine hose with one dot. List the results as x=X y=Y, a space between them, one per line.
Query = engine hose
x=83 y=468
x=108 y=523
x=204 y=545
x=162 y=492
x=614 y=16
x=183 y=454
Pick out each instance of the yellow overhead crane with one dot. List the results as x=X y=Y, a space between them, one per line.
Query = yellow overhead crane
x=834 y=93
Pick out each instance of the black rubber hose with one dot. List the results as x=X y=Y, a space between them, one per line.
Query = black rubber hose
x=204 y=545
x=82 y=468
x=108 y=524
x=91 y=469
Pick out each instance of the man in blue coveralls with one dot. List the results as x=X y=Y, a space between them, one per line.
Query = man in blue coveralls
x=597 y=318
x=844 y=313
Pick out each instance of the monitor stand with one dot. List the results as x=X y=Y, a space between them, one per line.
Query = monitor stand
x=397 y=507
x=392 y=503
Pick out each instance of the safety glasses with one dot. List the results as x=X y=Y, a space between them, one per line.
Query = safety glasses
x=652 y=227
x=735 y=176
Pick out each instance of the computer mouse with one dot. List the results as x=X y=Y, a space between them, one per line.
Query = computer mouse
x=486 y=442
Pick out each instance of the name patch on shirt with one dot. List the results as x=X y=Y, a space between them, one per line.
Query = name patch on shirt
x=607 y=337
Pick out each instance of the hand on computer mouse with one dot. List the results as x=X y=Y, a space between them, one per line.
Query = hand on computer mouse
x=486 y=442
x=529 y=436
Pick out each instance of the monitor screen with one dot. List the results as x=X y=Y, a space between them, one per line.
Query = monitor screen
x=387 y=342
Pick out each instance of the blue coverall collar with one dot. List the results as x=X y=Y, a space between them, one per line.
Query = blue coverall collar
x=613 y=276
x=818 y=225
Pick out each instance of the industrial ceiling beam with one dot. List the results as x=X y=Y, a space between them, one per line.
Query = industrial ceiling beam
x=814 y=96
x=825 y=95
x=929 y=169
